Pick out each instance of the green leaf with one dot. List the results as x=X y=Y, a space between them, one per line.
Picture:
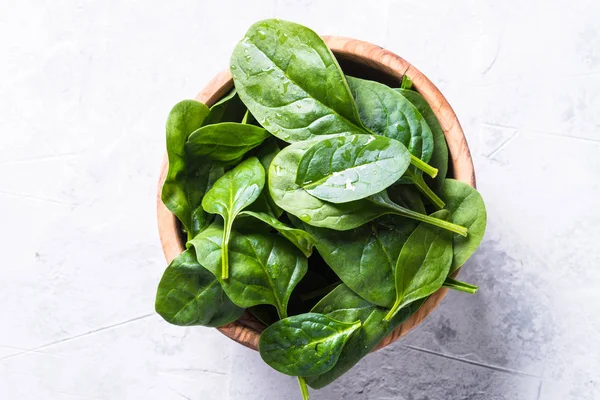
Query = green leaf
x=265 y=153
x=190 y=295
x=306 y=344
x=225 y=141
x=185 y=117
x=348 y=168
x=291 y=82
x=467 y=209
x=365 y=257
x=423 y=264
x=316 y=212
x=386 y=112
x=344 y=305
x=230 y=194
x=229 y=109
x=439 y=157
x=299 y=238
x=265 y=268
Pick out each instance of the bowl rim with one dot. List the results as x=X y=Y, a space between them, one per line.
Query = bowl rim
x=245 y=330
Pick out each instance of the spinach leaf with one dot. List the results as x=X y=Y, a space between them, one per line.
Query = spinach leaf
x=291 y=82
x=348 y=168
x=460 y=286
x=316 y=212
x=299 y=238
x=423 y=264
x=185 y=117
x=230 y=194
x=439 y=157
x=190 y=295
x=344 y=305
x=467 y=209
x=229 y=109
x=225 y=141
x=306 y=344
x=265 y=268
x=201 y=176
x=386 y=112
x=365 y=257
x=265 y=153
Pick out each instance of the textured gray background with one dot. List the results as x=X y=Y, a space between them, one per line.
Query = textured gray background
x=84 y=92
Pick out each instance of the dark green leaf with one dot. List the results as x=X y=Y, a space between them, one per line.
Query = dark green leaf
x=225 y=141
x=386 y=112
x=365 y=257
x=344 y=305
x=229 y=109
x=439 y=158
x=265 y=153
x=265 y=267
x=184 y=118
x=467 y=209
x=291 y=82
x=306 y=344
x=190 y=295
x=230 y=194
x=348 y=168
x=316 y=212
x=423 y=264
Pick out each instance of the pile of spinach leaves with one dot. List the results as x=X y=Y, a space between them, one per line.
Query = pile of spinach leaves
x=316 y=201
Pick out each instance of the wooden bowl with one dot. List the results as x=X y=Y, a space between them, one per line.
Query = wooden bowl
x=364 y=60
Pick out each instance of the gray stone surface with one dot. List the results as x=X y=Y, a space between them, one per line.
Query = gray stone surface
x=85 y=90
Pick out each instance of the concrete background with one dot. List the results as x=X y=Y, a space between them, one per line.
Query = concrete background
x=85 y=89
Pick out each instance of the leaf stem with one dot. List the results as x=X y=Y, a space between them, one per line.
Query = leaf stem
x=460 y=286
x=393 y=311
x=225 y=250
x=419 y=182
x=407 y=83
x=423 y=166
x=303 y=388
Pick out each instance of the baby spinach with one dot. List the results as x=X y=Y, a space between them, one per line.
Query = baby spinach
x=423 y=264
x=351 y=184
x=439 y=157
x=365 y=257
x=226 y=141
x=230 y=194
x=265 y=267
x=291 y=82
x=387 y=113
x=190 y=295
x=185 y=117
x=288 y=195
x=229 y=109
x=467 y=209
x=299 y=238
x=348 y=168
x=306 y=344
x=344 y=305
x=265 y=153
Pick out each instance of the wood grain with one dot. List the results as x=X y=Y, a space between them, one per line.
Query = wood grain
x=246 y=330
